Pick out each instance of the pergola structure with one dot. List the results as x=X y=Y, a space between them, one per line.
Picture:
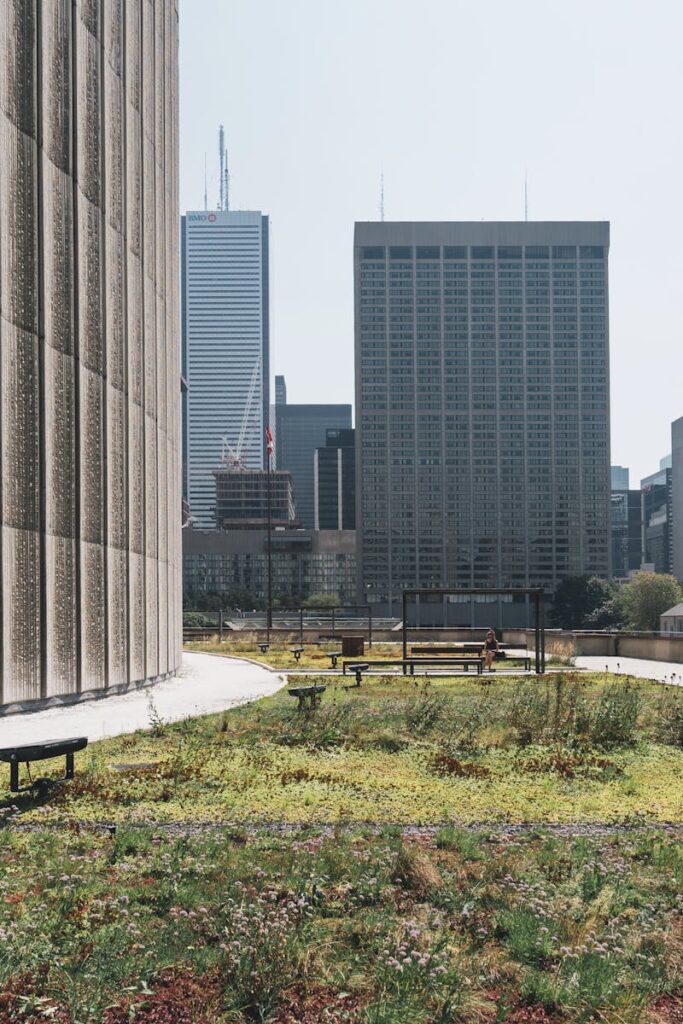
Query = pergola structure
x=536 y=593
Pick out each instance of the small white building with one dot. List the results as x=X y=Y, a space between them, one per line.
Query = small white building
x=672 y=621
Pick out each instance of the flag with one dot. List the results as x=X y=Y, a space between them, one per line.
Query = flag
x=269 y=440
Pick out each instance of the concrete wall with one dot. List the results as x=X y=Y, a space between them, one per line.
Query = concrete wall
x=90 y=563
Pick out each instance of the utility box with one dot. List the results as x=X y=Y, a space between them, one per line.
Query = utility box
x=352 y=646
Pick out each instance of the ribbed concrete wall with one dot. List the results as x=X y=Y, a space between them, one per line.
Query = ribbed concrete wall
x=90 y=564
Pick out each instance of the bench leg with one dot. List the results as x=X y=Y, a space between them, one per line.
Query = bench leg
x=69 y=766
x=14 y=776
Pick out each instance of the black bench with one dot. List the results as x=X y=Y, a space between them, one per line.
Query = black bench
x=263 y=647
x=297 y=652
x=308 y=696
x=41 y=752
x=404 y=663
x=359 y=667
x=333 y=655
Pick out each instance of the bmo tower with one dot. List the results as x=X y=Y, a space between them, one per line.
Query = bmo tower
x=225 y=340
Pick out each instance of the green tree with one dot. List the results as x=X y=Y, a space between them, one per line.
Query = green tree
x=646 y=596
x=322 y=601
x=576 y=598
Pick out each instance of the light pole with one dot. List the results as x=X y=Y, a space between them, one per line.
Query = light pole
x=269 y=551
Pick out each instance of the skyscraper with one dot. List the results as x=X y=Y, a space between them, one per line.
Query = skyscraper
x=657 y=517
x=90 y=389
x=334 y=475
x=225 y=325
x=677 y=496
x=299 y=430
x=482 y=404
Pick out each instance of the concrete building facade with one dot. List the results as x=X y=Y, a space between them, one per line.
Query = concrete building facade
x=482 y=405
x=242 y=498
x=90 y=592
x=226 y=346
x=234 y=565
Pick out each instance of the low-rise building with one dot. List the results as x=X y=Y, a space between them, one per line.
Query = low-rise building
x=234 y=565
x=242 y=499
x=671 y=621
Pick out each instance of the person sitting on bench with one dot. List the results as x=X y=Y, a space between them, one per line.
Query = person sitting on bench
x=490 y=649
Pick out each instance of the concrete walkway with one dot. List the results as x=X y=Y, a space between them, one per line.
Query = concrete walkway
x=205 y=684
x=664 y=671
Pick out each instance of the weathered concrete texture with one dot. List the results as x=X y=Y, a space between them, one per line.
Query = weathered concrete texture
x=90 y=561
x=205 y=684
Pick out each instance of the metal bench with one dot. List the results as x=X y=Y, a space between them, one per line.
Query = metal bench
x=41 y=752
x=358 y=667
x=334 y=655
x=297 y=652
x=410 y=663
x=263 y=647
x=308 y=696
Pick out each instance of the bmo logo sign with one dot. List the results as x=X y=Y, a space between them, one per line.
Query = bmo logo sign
x=211 y=218
x=202 y=218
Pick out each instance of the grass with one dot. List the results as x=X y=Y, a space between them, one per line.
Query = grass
x=358 y=923
x=279 y=655
x=345 y=927
x=396 y=750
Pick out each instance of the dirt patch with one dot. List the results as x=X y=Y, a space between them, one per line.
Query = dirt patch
x=320 y=1005
x=178 y=997
x=666 y=1010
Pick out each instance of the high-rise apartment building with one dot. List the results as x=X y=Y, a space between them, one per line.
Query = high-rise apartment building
x=90 y=556
x=225 y=325
x=657 y=517
x=334 y=482
x=677 y=496
x=299 y=430
x=482 y=404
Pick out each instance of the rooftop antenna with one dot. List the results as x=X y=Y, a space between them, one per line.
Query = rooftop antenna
x=206 y=196
x=221 y=158
x=226 y=187
x=381 y=195
x=526 y=195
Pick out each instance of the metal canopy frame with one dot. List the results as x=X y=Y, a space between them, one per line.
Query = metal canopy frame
x=537 y=593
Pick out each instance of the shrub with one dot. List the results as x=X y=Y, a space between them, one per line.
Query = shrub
x=262 y=950
x=459 y=841
x=426 y=711
x=669 y=721
x=616 y=716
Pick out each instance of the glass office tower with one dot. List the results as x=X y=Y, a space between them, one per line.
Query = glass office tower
x=482 y=416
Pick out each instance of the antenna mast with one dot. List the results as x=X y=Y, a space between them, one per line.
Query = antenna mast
x=221 y=158
x=226 y=187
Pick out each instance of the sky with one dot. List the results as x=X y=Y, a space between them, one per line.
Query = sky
x=455 y=101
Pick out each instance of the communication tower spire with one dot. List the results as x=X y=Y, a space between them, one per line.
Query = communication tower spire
x=226 y=187
x=221 y=159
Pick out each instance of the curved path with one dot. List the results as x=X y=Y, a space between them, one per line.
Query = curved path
x=205 y=684
x=664 y=671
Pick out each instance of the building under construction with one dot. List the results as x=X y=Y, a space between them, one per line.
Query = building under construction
x=242 y=499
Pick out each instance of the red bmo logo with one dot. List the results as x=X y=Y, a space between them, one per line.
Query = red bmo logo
x=212 y=217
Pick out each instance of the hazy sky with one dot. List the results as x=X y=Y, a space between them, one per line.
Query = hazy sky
x=454 y=99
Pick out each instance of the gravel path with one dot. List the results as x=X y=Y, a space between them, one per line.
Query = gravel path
x=205 y=684
x=664 y=671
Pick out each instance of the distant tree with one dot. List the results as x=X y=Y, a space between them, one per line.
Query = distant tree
x=576 y=598
x=646 y=596
x=322 y=601
x=610 y=615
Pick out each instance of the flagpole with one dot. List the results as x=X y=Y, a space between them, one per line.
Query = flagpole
x=269 y=610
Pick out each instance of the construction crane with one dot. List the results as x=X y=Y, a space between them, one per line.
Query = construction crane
x=233 y=456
